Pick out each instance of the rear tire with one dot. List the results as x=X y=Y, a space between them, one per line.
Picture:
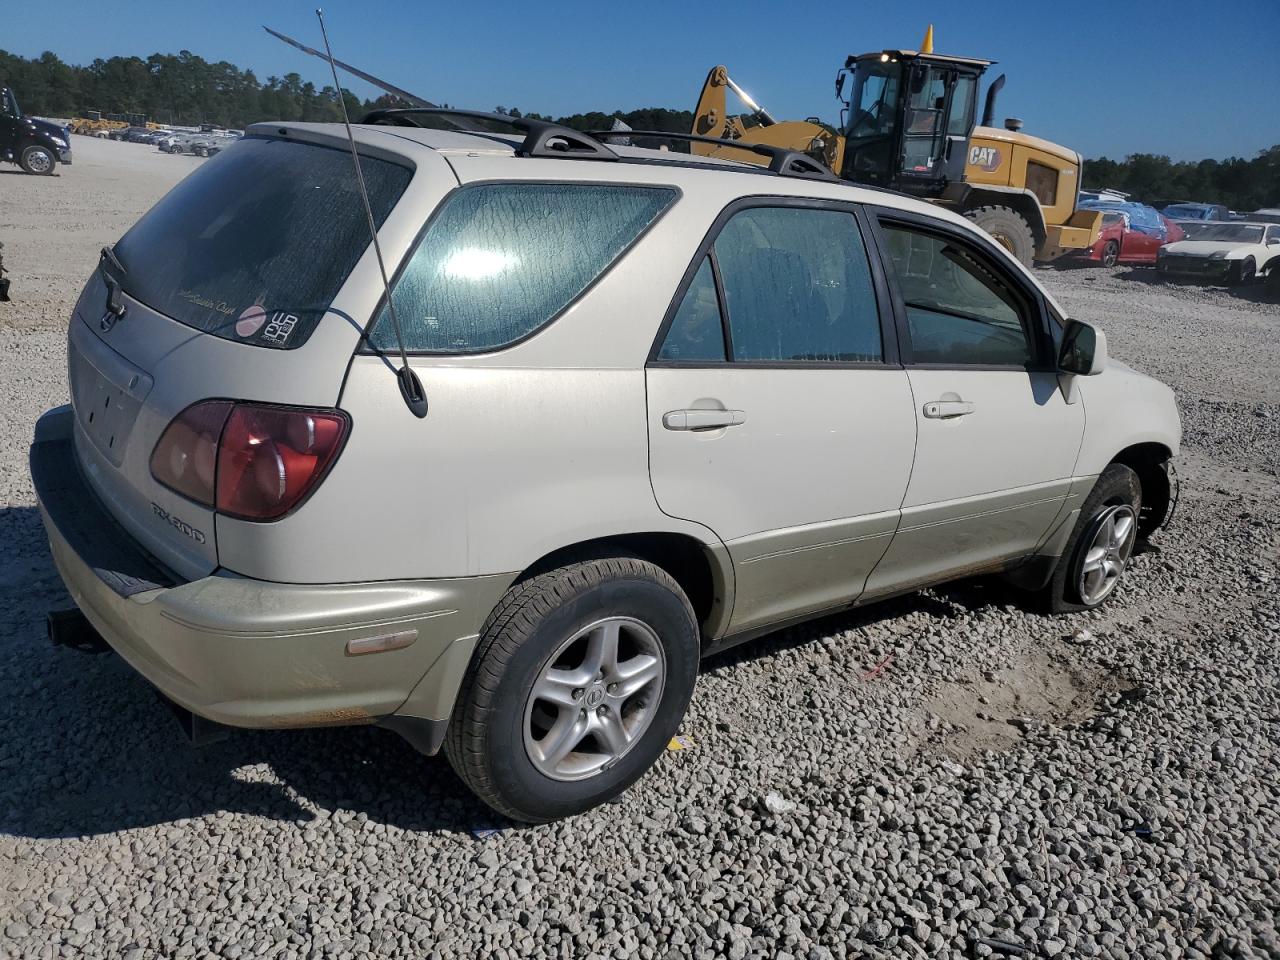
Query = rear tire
x=1117 y=495
x=38 y=160
x=543 y=631
x=1008 y=228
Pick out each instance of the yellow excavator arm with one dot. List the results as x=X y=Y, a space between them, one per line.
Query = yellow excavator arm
x=711 y=118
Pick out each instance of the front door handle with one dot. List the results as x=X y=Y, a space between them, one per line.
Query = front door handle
x=702 y=419
x=946 y=409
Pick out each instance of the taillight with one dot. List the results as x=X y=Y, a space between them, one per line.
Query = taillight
x=248 y=460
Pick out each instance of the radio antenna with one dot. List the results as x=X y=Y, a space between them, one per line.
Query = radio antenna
x=415 y=397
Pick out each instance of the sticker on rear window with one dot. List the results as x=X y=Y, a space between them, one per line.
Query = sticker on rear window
x=278 y=330
x=251 y=321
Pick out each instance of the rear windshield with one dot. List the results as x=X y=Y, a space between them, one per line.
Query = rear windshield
x=254 y=245
x=501 y=260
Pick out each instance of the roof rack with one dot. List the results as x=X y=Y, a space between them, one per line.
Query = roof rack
x=782 y=160
x=542 y=139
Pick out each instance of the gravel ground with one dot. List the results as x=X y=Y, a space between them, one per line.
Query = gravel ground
x=951 y=775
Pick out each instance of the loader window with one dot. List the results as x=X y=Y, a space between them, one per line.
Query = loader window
x=962 y=94
x=1043 y=182
x=873 y=122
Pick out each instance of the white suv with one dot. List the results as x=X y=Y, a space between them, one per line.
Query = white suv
x=670 y=403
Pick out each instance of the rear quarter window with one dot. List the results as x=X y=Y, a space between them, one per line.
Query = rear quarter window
x=255 y=244
x=501 y=260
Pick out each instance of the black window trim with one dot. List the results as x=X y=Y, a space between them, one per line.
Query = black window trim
x=706 y=249
x=366 y=347
x=1036 y=323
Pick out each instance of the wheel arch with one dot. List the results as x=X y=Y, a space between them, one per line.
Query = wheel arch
x=704 y=571
x=1150 y=461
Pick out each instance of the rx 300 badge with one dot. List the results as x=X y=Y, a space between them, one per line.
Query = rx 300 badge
x=184 y=528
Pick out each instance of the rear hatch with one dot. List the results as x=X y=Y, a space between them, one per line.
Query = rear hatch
x=233 y=286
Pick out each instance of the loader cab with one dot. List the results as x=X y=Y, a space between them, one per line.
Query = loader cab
x=908 y=118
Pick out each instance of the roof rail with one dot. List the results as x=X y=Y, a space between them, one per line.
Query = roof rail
x=542 y=139
x=782 y=160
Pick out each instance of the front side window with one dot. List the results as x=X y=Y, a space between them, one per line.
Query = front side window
x=959 y=310
x=501 y=260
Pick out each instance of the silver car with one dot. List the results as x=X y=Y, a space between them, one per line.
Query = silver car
x=670 y=403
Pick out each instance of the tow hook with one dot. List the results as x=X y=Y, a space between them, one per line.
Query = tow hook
x=71 y=628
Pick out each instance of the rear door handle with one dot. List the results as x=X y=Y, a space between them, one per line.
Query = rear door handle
x=702 y=419
x=946 y=409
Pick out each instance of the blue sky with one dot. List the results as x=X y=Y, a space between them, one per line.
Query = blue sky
x=1181 y=77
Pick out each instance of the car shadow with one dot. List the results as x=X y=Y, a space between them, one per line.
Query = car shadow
x=89 y=749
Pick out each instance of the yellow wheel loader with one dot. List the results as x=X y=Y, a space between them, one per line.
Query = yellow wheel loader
x=95 y=124
x=908 y=124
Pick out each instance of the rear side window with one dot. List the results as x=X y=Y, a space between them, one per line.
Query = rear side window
x=798 y=287
x=255 y=244
x=501 y=260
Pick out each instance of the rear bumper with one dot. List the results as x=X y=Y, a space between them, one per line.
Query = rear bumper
x=250 y=653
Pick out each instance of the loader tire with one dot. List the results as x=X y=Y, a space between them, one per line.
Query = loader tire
x=1008 y=228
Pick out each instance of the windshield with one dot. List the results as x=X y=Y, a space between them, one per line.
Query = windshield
x=255 y=244
x=10 y=105
x=1228 y=232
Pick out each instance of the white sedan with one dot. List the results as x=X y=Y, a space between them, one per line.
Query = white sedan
x=1222 y=252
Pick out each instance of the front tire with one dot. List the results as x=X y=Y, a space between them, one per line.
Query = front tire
x=1110 y=254
x=581 y=677
x=1246 y=272
x=1100 y=546
x=38 y=160
x=1008 y=228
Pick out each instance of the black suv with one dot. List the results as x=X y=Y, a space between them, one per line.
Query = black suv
x=35 y=145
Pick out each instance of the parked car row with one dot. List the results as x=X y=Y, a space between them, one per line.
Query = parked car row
x=198 y=144
x=1185 y=240
x=138 y=134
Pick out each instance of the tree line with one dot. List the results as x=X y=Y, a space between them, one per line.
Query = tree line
x=185 y=89
x=1235 y=182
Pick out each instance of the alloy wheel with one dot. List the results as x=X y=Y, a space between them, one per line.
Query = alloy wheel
x=594 y=699
x=1110 y=542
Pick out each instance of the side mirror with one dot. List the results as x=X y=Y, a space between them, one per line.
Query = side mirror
x=1084 y=350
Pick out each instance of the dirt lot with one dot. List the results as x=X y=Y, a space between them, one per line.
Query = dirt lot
x=966 y=777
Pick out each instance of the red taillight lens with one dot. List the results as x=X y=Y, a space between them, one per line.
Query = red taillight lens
x=270 y=458
x=247 y=460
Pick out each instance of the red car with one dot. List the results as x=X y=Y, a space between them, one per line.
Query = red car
x=1120 y=241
